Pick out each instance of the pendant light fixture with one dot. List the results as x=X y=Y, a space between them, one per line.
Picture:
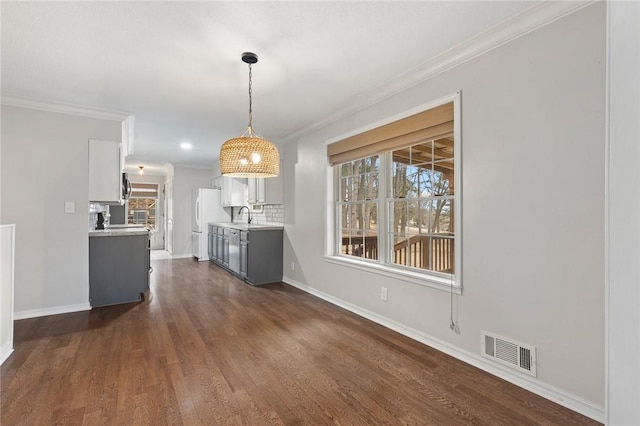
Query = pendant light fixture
x=249 y=155
x=141 y=170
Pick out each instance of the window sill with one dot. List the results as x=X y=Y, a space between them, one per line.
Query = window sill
x=432 y=281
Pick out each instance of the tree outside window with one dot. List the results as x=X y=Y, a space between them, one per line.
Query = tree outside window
x=421 y=208
x=358 y=207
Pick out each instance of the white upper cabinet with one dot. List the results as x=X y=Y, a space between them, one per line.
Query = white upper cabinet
x=233 y=191
x=105 y=171
x=256 y=191
x=265 y=190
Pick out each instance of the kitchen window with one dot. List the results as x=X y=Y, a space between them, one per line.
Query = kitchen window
x=396 y=198
x=142 y=205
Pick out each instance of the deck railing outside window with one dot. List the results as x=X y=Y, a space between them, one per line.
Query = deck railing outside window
x=435 y=253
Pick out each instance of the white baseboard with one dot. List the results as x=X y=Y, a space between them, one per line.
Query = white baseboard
x=5 y=352
x=531 y=384
x=33 y=313
x=181 y=256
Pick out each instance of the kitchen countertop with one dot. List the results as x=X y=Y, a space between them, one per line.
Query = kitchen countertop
x=118 y=232
x=122 y=225
x=248 y=227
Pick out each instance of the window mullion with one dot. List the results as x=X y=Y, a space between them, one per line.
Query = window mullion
x=383 y=207
x=337 y=205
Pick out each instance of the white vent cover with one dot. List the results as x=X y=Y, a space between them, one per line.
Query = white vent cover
x=509 y=352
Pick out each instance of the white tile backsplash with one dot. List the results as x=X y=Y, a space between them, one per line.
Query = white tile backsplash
x=271 y=213
x=94 y=209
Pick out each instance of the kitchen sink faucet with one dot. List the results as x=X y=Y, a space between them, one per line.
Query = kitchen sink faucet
x=248 y=214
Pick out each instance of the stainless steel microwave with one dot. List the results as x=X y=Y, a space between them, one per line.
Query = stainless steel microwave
x=126 y=186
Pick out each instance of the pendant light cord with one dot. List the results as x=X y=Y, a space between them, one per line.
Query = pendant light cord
x=250 y=100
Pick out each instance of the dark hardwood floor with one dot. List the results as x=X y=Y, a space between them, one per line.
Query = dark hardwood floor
x=206 y=349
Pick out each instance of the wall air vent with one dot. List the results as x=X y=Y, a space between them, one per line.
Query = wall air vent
x=509 y=352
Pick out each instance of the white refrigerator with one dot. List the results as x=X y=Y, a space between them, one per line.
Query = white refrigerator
x=206 y=208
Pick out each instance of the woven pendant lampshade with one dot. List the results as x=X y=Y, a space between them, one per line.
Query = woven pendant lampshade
x=249 y=155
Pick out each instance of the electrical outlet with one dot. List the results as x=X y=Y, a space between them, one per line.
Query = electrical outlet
x=293 y=266
x=383 y=293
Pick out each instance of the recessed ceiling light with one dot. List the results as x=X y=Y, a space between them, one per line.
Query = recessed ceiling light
x=186 y=145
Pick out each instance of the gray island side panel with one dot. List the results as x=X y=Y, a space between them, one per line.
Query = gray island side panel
x=264 y=256
x=118 y=268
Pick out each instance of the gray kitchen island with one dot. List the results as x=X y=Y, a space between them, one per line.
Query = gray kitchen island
x=119 y=265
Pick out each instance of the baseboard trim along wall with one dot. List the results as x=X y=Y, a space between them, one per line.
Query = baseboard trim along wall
x=181 y=256
x=34 y=313
x=5 y=352
x=544 y=390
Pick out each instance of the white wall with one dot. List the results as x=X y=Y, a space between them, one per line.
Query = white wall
x=532 y=198
x=623 y=242
x=1 y=222
x=45 y=163
x=215 y=169
x=7 y=246
x=185 y=180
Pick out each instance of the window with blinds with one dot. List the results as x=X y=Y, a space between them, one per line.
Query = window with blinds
x=395 y=200
x=144 y=190
x=436 y=123
x=142 y=205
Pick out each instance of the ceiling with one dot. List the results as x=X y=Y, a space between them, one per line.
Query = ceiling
x=177 y=65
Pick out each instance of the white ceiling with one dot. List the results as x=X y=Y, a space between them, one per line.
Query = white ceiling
x=177 y=65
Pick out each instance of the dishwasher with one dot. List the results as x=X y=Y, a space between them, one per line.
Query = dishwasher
x=234 y=250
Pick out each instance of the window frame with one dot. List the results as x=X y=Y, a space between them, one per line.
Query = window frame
x=383 y=265
x=143 y=196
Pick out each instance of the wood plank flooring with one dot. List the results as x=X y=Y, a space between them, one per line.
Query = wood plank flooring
x=204 y=349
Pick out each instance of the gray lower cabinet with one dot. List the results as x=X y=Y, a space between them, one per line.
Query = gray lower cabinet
x=225 y=247
x=220 y=243
x=212 y=245
x=258 y=256
x=119 y=268
x=244 y=253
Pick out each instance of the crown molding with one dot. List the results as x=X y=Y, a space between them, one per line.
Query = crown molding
x=190 y=166
x=61 y=107
x=150 y=169
x=530 y=19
